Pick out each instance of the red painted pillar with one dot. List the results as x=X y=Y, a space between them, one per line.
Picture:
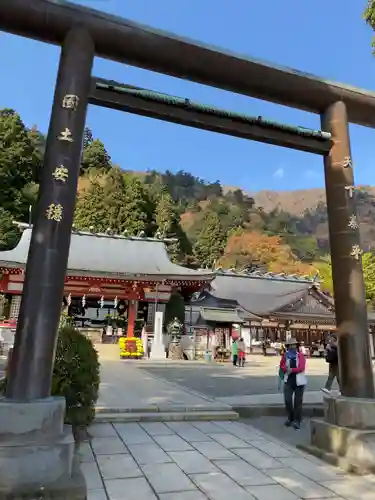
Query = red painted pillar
x=132 y=313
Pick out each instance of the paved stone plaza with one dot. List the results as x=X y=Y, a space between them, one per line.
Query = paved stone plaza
x=128 y=384
x=224 y=380
x=207 y=460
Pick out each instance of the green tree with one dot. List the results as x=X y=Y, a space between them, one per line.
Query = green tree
x=369 y=15
x=94 y=154
x=324 y=269
x=168 y=224
x=210 y=240
x=20 y=159
x=114 y=201
x=9 y=233
x=368 y=266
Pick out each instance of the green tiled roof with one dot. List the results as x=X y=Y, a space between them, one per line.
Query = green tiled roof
x=181 y=102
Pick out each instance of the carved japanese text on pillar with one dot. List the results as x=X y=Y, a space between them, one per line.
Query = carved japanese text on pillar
x=61 y=173
x=70 y=101
x=347 y=162
x=350 y=190
x=353 y=223
x=66 y=135
x=55 y=212
x=356 y=252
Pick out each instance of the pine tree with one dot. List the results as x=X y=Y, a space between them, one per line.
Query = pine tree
x=94 y=153
x=210 y=240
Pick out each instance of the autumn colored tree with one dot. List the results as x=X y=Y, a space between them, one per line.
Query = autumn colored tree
x=249 y=248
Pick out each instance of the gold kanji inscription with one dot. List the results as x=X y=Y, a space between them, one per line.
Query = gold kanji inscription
x=353 y=223
x=350 y=190
x=70 y=101
x=61 y=173
x=66 y=135
x=55 y=212
x=347 y=162
x=356 y=252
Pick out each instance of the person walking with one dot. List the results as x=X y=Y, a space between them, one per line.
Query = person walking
x=332 y=359
x=234 y=352
x=293 y=366
x=241 y=352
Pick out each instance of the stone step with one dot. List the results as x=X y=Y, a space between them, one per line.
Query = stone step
x=332 y=459
x=165 y=416
x=164 y=408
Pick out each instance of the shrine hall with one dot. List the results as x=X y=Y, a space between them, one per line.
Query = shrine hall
x=111 y=281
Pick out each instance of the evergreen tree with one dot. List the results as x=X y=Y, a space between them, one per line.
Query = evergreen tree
x=168 y=224
x=9 y=233
x=20 y=159
x=113 y=201
x=210 y=240
x=94 y=154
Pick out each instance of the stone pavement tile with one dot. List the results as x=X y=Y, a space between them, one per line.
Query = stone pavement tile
x=192 y=462
x=299 y=485
x=351 y=488
x=213 y=451
x=258 y=459
x=274 y=449
x=167 y=478
x=172 y=443
x=102 y=430
x=129 y=489
x=218 y=486
x=133 y=434
x=245 y=432
x=313 y=471
x=208 y=427
x=184 y=495
x=271 y=492
x=188 y=431
x=243 y=473
x=108 y=446
x=229 y=441
x=156 y=428
x=118 y=467
x=91 y=473
x=85 y=453
x=96 y=495
x=146 y=454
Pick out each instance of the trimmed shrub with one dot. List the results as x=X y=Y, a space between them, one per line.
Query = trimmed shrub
x=76 y=376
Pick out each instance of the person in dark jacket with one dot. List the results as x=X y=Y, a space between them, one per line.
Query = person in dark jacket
x=332 y=359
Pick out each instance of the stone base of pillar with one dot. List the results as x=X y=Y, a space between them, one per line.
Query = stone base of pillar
x=346 y=435
x=37 y=452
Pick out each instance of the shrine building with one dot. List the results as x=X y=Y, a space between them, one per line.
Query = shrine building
x=111 y=280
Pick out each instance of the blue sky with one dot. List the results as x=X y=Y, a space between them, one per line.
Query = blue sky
x=326 y=37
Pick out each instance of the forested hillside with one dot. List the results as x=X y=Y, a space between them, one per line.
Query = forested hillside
x=213 y=226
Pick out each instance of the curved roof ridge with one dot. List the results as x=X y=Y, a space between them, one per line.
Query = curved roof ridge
x=97 y=255
x=266 y=275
